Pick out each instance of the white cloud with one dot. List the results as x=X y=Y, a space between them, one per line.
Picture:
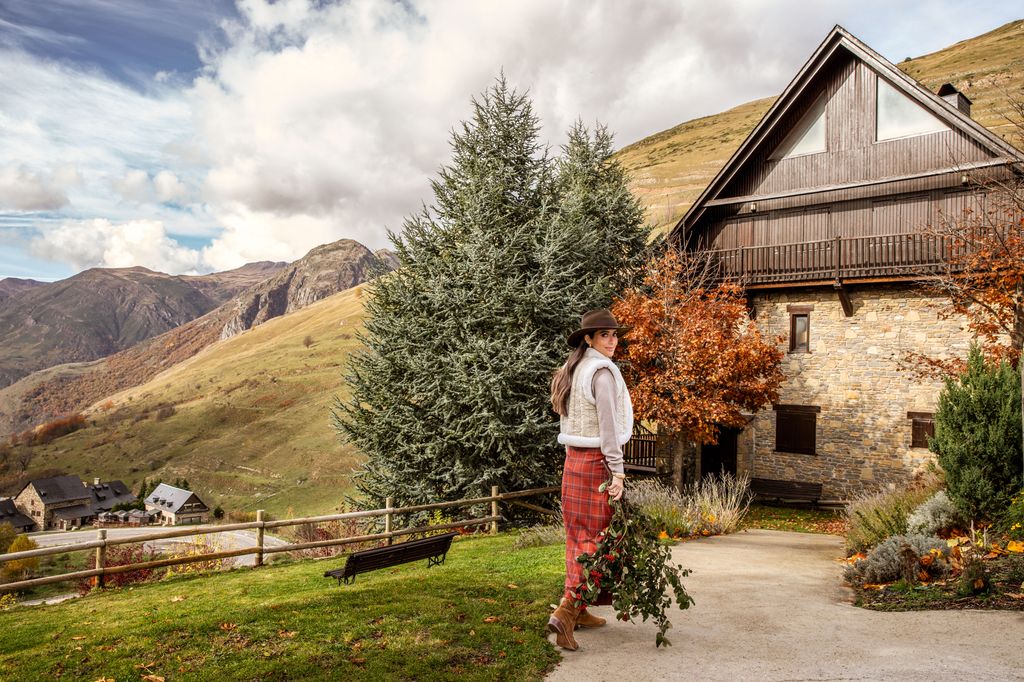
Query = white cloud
x=134 y=186
x=101 y=243
x=24 y=190
x=169 y=189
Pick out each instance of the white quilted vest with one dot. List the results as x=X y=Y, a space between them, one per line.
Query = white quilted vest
x=579 y=427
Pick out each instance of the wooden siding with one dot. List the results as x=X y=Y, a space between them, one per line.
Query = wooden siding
x=852 y=154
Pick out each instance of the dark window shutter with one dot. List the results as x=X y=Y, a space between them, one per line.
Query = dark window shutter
x=795 y=429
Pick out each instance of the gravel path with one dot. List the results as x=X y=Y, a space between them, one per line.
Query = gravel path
x=770 y=606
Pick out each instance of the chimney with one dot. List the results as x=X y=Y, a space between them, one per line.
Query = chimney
x=958 y=99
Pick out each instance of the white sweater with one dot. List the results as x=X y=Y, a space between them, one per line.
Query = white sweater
x=600 y=412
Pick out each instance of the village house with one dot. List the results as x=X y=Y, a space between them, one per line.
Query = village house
x=108 y=494
x=818 y=215
x=176 y=506
x=9 y=513
x=64 y=502
x=60 y=502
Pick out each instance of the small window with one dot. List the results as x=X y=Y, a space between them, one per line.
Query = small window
x=799 y=328
x=808 y=137
x=795 y=428
x=899 y=116
x=922 y=428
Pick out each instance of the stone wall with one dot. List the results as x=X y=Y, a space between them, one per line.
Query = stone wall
x=851 y=372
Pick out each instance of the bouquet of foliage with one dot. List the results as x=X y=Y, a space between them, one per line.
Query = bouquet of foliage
x=635 y=568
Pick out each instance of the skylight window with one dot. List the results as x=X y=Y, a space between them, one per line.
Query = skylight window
x=900 y=116
x=808 y=137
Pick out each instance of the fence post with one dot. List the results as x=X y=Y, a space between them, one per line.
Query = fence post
x=101 y=556
x=259 y=537
x=389 y=504
x=494 y=509
x=837 y=256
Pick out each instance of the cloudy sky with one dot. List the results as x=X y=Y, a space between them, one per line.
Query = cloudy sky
x=199 y=135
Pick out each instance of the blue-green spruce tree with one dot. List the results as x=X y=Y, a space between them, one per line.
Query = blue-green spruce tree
x=450 y=394
x=977 y=436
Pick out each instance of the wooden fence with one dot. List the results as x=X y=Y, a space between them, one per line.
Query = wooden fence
x=102 y=542
x=640 y=453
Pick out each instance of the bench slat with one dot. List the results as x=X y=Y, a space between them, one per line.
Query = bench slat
x=433 y=549
x=789 y=490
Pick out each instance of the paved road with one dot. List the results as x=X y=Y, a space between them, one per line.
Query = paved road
x=770 y=606
x=236 y=539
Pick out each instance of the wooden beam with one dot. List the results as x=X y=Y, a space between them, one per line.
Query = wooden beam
x=731 y=201
x=844 y=299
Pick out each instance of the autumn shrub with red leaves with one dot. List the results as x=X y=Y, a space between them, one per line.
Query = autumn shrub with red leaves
x=693 y=359
x=123 y=555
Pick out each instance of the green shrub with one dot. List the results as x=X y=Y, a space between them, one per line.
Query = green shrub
x=873 y=518
x=978 y=436
x=935 y=515
x=893 y=558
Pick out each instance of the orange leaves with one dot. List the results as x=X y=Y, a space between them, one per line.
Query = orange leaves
x=695 y=361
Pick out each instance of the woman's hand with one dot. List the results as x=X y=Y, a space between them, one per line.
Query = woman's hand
x=615 y=488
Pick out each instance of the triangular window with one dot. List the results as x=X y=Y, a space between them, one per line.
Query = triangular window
x=808 y=137
x=900 y=116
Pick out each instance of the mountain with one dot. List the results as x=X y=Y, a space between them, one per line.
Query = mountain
x=104 y=310
x=12 y=286
x=669 y=170
x=324 y=271
x=246 y=421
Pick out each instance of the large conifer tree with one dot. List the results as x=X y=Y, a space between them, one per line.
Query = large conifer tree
x=450 y=395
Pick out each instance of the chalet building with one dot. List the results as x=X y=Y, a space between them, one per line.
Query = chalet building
x=60 y=502
x=818 y=215
x=9 y=513
x=176 y=506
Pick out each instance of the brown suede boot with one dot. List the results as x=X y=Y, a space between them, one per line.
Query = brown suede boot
x=588 y=620
x=562 y=622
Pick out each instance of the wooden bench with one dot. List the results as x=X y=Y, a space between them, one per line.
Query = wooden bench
x=433 y=549
x=772 y=489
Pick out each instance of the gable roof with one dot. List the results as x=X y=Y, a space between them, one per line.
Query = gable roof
x=841 y=39
x=59 y=489
x=10 y=514
x=171 y=499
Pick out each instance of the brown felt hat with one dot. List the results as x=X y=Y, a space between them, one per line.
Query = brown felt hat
x=591 y=321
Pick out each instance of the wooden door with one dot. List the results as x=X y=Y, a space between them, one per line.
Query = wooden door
x=714 y=459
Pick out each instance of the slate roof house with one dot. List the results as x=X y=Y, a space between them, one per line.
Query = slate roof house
x=58 y=502
x=9 y=513
x=64 y=502
x=108 y=494
x=818 y=216
x=177 y=506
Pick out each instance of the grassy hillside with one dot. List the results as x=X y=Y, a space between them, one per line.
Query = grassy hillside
x=480 y=616
x=246 y=421
x=670 y=169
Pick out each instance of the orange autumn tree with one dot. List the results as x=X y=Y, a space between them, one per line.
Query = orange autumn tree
x=693 y=359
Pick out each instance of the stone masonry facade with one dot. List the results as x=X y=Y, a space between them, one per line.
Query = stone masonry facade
x=851 y=372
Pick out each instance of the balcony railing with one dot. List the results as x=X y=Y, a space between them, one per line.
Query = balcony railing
x=840 y=258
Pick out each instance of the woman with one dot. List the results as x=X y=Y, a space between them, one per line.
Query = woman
x=596 y=421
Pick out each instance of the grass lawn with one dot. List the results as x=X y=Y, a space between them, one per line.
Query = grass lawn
x=799 y=519
x=481 y=616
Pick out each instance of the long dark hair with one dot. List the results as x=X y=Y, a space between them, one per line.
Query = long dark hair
x=561 y=383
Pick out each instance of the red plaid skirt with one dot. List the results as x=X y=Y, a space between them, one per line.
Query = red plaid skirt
x=585 y=509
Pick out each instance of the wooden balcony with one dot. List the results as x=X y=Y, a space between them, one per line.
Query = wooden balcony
x=883 y=257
